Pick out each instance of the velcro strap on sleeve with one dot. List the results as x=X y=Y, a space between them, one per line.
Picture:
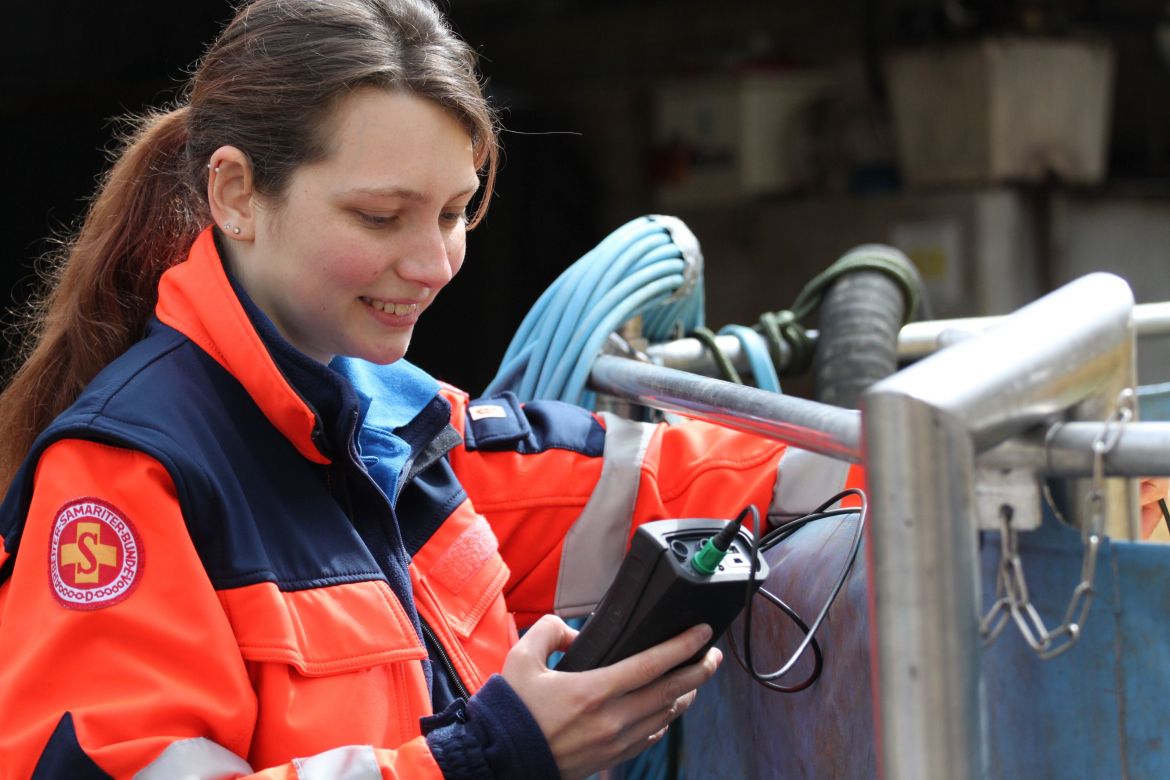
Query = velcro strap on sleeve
x=495 y=423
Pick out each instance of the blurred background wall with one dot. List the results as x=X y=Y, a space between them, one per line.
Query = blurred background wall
x=1007 y=146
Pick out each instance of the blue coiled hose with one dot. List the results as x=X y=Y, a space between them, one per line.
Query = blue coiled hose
x=651 y=266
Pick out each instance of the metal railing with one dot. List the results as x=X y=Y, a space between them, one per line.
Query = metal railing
x=1031 y=390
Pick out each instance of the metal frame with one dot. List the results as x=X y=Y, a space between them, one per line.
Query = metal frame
x=1031 y=391
x=1069 y=353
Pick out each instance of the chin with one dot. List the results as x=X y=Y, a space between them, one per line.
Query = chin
x=384 y=357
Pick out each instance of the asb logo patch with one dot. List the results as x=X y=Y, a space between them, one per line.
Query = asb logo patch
x=94 y=556
x=484 y=411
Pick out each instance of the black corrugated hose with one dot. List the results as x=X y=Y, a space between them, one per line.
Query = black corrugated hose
x=869 y=294
x=864 y=298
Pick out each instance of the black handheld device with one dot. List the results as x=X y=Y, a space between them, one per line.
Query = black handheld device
x=663 y=588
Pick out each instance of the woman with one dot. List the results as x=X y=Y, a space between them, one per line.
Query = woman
x=222 y=560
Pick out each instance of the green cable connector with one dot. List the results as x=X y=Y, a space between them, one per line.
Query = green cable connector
x=709 y=556
x=707 y=559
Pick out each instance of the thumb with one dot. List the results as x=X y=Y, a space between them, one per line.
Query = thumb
x=548 y=635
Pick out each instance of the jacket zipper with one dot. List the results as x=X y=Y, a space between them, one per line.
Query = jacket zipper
x=444 y=660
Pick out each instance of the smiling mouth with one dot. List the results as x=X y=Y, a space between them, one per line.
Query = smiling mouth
x=397 y=309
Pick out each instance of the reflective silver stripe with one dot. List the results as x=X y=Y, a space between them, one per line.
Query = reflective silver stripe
x=352 y=762
x=596 y=543
x=195 y=759
x=805 y=480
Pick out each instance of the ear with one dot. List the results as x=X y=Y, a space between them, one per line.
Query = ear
x=230 y=193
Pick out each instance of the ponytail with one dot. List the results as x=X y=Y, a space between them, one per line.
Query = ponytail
x=102 y=284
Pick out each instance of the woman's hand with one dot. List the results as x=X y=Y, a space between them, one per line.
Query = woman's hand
x=595 y=719
x=1152 y=490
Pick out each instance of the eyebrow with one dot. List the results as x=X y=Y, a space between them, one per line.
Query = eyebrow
x=404 y=193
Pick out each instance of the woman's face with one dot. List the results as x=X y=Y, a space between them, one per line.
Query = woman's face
x=365 y=238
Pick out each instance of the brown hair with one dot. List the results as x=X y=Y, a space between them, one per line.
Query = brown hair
x=266 y=86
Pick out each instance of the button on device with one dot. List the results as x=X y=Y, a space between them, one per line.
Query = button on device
x=680 y=549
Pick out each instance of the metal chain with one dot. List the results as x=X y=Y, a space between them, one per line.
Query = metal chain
x=1011 y=587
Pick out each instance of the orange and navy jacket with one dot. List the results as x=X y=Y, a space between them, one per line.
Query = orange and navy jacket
x=232 y=563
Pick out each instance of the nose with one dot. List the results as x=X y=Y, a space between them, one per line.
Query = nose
x=432 y=258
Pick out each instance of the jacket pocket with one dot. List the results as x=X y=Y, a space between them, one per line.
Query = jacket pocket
x=337 y=665
x=322 y=631
x=463 y=570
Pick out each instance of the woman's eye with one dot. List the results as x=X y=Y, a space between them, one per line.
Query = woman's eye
x=454 y=216
x=375 y=220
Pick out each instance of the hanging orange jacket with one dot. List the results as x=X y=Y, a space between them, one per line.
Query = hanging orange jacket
x=224 y=562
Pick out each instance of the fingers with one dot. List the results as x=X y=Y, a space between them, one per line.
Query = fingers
x=1152 y=489
x=639 y=736
x=596 y=718
x=548 y=635
x=638 y=670
x=1151 y=516
x=639 y=745
x=663 y=694
x=657 y=718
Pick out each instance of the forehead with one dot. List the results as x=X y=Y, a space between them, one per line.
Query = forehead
x=379 y=138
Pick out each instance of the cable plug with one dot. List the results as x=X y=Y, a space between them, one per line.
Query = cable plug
x=707 y=559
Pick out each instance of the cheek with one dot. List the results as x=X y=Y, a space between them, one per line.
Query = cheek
x=348 y=267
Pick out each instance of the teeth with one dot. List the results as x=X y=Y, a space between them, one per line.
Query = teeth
x=399 y=309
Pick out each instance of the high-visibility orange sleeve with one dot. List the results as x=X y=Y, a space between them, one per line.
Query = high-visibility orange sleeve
x=153 y=665
x=561 y=516
x=699 y=470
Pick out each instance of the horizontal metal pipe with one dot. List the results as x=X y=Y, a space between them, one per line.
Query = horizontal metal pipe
x=692 y=355
x=916 y=340
x=919 y=339
x=1142 y=450
x=1065 y=450
x=827 y=430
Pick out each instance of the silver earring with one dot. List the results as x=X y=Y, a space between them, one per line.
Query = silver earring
x=229 y=226
x=217 y=169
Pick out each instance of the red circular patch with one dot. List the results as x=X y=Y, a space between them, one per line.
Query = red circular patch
x=94 y=555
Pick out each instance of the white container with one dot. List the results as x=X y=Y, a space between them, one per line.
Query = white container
x=1001 y=110
x=719 y=140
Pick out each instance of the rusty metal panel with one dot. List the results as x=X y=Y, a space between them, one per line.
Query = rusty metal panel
x=738 y=729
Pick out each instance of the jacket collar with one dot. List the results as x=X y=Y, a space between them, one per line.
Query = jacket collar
x=407 y=423
x=197 y=299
